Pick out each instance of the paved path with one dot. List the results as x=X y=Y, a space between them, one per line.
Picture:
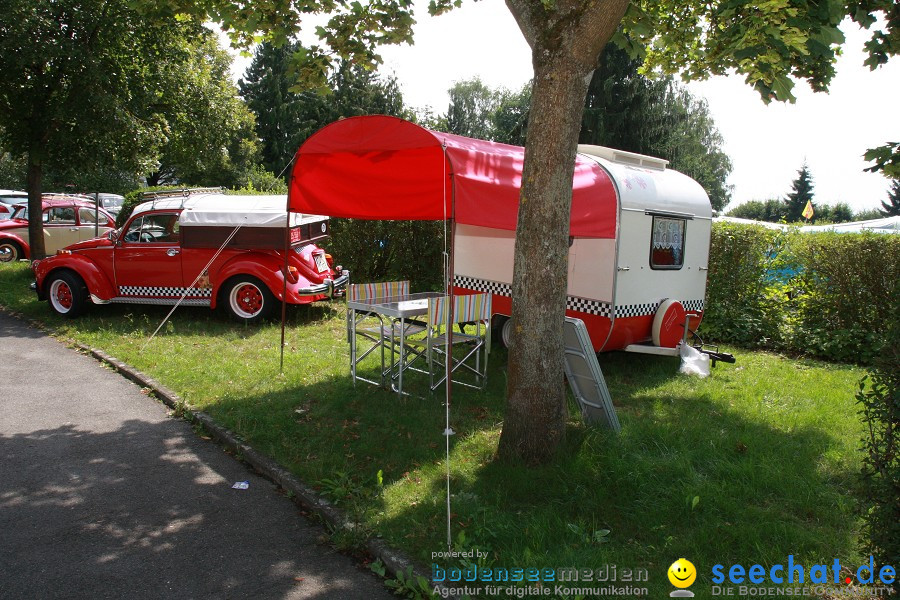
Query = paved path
x=102 y=495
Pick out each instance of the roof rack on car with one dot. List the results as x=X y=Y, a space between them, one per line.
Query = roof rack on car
x=183 y=193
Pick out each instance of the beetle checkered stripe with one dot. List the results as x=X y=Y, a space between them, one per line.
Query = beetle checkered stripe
x=150 y=291
x=162 y=301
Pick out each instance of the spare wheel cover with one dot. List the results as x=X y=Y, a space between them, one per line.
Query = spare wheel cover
x=668 y=324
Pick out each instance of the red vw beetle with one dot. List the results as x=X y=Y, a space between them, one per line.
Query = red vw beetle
x=199 y=248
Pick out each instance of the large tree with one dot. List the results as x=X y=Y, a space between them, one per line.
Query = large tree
x=77 y=92
x=768 y=43
x=472 y=108
x=623 y=110
x=655 y=116
x=282 y=116
x=209 y=131
x=285 y=116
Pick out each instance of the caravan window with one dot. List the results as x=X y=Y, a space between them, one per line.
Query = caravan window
x=667 y=243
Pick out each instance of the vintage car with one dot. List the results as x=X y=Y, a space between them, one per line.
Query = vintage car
x=8 y=200
x=112 y=203
x=67 y=220
x=199 y=249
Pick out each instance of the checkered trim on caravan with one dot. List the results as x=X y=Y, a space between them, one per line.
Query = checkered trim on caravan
x=154 y=292
x=692 y=305
x=636 y=310
x=483 y=285
x=591 y=307
x=583 y=305
x=642 y=310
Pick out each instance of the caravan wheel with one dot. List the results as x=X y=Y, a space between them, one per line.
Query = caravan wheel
x=501 y=330
x=506 y=333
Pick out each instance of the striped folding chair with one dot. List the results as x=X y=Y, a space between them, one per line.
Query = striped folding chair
x=371 y=326
x=472 y=315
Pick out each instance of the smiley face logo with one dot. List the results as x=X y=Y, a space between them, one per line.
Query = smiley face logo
x=682 y=573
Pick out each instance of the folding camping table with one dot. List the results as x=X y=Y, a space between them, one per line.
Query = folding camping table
x=398 y=309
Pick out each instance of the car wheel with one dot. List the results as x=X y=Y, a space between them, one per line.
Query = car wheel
x=67 y=294
x=9 y=252
x=248 y=300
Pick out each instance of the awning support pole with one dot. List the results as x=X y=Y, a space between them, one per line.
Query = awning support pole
x=287 y=249
x=448 y=281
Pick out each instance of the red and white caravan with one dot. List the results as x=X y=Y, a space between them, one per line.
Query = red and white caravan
x=639 y=232
x=632 y=280
x=198 y=248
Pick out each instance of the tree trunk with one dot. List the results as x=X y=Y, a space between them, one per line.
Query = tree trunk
x=535 y=419
x=35 y=206
x=566 y=41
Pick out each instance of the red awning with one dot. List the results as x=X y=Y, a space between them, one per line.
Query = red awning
x=385 y=168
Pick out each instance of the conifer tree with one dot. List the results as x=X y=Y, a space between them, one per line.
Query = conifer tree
x=801 y=194
x=891 y=207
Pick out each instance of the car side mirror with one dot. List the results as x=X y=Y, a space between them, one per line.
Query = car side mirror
x=113 y=236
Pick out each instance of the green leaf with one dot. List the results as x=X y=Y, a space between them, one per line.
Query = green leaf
x=745 y=53
x=781 y=87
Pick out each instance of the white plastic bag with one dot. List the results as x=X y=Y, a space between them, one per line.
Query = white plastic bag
x=693 y=362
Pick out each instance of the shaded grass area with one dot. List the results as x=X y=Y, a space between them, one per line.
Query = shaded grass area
x=750 y=465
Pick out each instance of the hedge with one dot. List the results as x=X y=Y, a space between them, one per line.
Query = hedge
x=821 y=294
x=390 y=250
x=879 y=401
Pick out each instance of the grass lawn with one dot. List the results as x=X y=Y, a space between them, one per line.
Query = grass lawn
x=751 y=465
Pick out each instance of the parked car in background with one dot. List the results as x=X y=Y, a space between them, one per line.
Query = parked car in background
x=8 y=199
x=197 y=248
x=111 y=202
x=67 y=220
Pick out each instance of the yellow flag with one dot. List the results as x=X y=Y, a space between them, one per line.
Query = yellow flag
x=808 y=211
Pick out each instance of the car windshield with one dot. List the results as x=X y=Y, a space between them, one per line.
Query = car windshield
x=13 y=199
x=21 y=213
x=112 y=201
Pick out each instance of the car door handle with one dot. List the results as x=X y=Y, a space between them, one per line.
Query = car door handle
x=172 y=251
x=73 y=229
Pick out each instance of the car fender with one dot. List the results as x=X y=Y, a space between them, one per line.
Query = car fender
x=11 y=237
x=265 y=267
x=97 y=282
